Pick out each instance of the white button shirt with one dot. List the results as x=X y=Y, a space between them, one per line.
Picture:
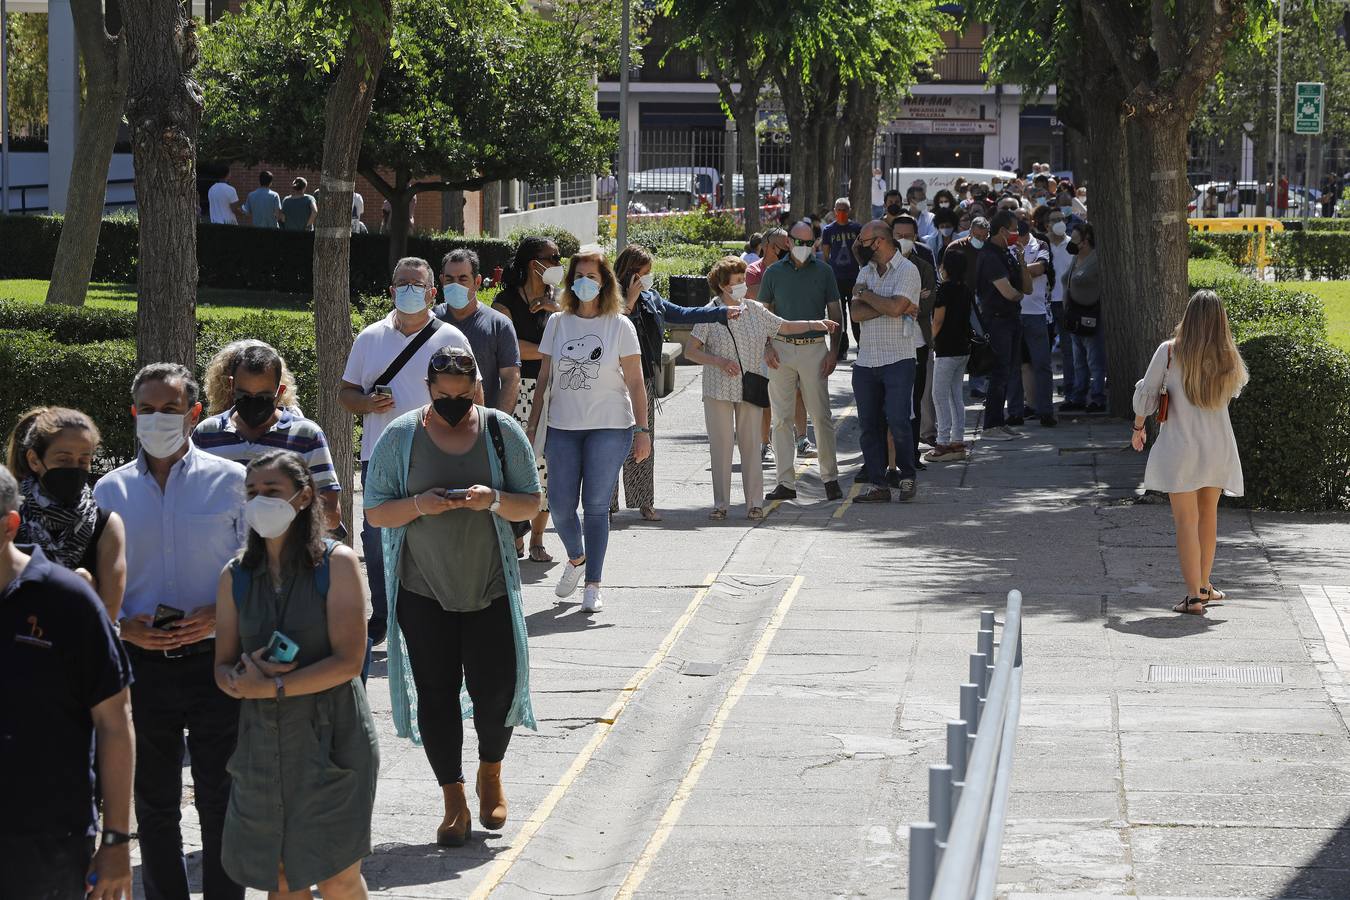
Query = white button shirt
x=884 y=339
x=178 y=539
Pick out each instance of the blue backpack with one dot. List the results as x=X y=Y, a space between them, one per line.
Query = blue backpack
x=242 y=579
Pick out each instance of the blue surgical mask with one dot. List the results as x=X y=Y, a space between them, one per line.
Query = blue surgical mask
x=1067 y=210
x=977 y=243
x=456 y=295
x=410 y=298
x=585 y=289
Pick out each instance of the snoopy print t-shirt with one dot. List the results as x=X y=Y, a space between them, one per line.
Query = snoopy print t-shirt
x=586 y=387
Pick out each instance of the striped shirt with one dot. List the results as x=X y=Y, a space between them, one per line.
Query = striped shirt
x=218 y=436
x=890 y=339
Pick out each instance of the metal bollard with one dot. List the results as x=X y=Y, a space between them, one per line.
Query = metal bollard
x=956 y=750
x=970 y=747
x=970 y=707
x=986 y=620
x=940 y=799
x=984 y=643
x=957 y=787
x=978 y=663
x=922 y=859
x=988 y=680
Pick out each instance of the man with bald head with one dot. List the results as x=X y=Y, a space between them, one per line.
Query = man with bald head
x=886 y=303
x=802 y=288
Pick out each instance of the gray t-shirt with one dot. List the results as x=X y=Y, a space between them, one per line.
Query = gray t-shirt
x=452 y=557
x=297 y=210
x=262 y=206
x=493 y=339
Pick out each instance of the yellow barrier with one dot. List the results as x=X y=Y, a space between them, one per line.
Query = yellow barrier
x=1258 y=226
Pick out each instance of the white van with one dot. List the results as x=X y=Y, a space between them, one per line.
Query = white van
x=939 y=179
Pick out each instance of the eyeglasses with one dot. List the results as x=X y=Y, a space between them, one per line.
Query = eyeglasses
x=265 y=395
x=399 y=284
x=555 y=258
x=804 y=242
x=453 y=360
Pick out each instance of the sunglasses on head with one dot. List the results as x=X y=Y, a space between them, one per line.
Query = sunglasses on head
x=454 y=360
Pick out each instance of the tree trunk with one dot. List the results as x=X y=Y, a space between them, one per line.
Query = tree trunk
x=862 y=112
x=452 y=210
x=164 y=108
x=105 y=66
x=491 y=201
x=400 y=201
x=345 y=112
x=747 y=141
x=828 y=186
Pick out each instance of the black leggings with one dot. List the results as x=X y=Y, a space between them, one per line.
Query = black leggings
x=441 y=646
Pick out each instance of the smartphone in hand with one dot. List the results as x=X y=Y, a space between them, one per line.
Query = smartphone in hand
x=456 y=493
x=281 y=649
x=166 y=616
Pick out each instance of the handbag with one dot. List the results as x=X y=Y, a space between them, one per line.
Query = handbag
x=519 y=529
x=754 y=386
x=1162 y=394
x=982 y=359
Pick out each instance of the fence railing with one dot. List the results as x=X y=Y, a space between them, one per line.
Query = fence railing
x=955 y=855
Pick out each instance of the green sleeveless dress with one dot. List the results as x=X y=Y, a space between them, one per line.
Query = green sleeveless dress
x=304 y=769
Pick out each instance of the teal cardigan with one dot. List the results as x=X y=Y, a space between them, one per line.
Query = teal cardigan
x=386 y=480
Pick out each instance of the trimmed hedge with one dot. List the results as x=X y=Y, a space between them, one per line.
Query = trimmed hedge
x=660 y=234
x=68 y=324
x=1255 y=307
x=567 y=242
x=1293 y=423
x=1326 y=224
x=231 y=256
x=1294 y=255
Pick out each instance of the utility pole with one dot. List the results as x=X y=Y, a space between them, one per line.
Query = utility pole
x=621 y=230
x=1279 y=92
x=4 y=109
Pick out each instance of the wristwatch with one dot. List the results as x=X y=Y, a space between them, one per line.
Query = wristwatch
x=114 y=838
x=496 y=501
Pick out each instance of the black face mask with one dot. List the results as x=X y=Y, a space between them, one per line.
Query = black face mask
x=452 y=409
x=864 y=254
x=254 y=411
x=895 y=209
x=64 y=485
x=1072 y=248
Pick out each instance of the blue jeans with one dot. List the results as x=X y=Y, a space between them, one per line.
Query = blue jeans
x=1005 y=339
x=1065 y=348
x=374 y=552
x=884 y=395
x=583 y=466
x=1036 y=338
x=1089 y=361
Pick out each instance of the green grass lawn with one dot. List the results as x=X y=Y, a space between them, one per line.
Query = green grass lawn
x=1335 y=297
x=212 y=303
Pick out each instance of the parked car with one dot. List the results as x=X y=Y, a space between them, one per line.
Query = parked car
x=1241 y=200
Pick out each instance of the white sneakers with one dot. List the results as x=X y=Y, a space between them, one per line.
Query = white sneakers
x=571 y=577
x=592 y=601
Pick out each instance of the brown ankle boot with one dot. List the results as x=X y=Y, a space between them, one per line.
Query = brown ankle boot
x=458 y=824
x=491 y=796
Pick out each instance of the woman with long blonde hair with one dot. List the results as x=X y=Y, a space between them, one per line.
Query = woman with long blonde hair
x=1195 y=457
x=219 y=387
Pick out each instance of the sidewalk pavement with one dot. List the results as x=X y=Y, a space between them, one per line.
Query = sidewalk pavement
x=754 y=712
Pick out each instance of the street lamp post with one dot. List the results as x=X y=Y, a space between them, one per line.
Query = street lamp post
x=621 y=228
x=4 y=109
x=1279 y=92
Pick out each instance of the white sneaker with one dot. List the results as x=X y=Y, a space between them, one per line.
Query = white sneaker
x=806 y=449
x=592 y=602
x=1010 y=431
x=997 y=433
x=571 y=577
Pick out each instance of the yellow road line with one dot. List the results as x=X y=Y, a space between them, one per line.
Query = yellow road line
x=848 y=501
x=705 y=750
x=503 y=863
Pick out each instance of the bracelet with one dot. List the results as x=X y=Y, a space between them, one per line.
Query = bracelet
x=1139 y=427
x=416 y=506
x=642 y=429
x=281 y=687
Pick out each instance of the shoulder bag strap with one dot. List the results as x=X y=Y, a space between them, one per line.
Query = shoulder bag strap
x=241 y=580
x=322 y=577
x=734 y=346
x=494 y=428
x=418 y=341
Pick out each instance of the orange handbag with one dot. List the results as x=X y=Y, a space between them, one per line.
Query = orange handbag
x=1162 y=395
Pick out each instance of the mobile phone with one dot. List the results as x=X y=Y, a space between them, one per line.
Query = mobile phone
x=281 y=649
x=457 y=493
x=382 y=389
x=167 y=615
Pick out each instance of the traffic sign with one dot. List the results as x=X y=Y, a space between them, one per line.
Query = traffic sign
x=1309 y=99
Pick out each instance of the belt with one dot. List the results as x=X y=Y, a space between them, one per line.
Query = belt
x=799 y=341
x=205 y=645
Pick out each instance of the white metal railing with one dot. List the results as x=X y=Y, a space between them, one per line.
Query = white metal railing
x=955 y=855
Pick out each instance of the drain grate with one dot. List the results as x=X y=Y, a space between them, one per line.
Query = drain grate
x=1216 y=674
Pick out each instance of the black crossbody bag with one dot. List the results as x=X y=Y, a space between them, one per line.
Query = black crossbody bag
x=417 y=343
x=754 y=386
x=494 y=427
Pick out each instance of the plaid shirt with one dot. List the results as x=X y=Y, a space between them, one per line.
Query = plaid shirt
x=884 y=340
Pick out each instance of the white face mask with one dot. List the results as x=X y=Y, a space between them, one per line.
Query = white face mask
x=906 y=246
x=737 y=291
x=161 y=434
x=977 y=243
x=801 y=254
x=647 y=281
x=1058 y=229
x=270 y=516
x=553 y=275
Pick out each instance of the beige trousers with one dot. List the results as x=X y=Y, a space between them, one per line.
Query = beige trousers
x=738 y=423
x=799 y=366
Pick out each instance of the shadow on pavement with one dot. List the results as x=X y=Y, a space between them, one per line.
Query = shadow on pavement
x=1328 y=873
x=561 y=618
x=395 y=865
x=1175 y=625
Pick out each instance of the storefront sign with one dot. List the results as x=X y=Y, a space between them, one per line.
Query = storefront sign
x=956 y=126
x=928 y=106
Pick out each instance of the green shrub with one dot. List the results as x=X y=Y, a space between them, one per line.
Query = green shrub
x=1293 y=423
x=658 y=234
x=1255 y=306
x=567 y=242
x=1326 y=224
x=1200 y=248
x=1294 y=255
x=30 y=242
x=69 y=324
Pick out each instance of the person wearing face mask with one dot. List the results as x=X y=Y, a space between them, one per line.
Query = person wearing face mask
x=730 y=418
x=490 y=333
x=1083 y=320
x=923 y=419
x=290 y=824
x=1080 y=203
x=777 y=247
x=51 y=452
x=381 y=383
x=878 y=193
x=528 y=298
x=649 y=312
x=259 y=420
x=837 y=239
x=454 y=473
x=1056 y=238
x=917 y=204
x=1002 y=280
x=65 y=689
x=946 y=223
x=591 y=375
x=1064 y=203
x=1033 y=358
x=218 y=381
x=893 y=206
x=184 y=516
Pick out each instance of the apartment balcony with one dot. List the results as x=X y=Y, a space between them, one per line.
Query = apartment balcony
x=959 y=66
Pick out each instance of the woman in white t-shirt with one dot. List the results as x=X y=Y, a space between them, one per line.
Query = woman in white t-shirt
x=725 y=351
x=590 y=370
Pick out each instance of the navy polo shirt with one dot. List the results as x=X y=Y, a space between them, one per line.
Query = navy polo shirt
x=59 y=658
x=995 y=262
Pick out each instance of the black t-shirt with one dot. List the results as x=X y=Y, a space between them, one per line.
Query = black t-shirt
x=954 y=338
x=59 y=658
x=993 y=263
x=529 y=325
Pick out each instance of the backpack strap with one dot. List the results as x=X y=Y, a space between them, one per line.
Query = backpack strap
x=321 y=573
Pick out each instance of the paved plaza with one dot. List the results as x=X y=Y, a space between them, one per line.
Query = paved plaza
x=754 y=712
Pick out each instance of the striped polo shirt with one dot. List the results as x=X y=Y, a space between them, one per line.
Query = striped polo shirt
x=218 y=436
